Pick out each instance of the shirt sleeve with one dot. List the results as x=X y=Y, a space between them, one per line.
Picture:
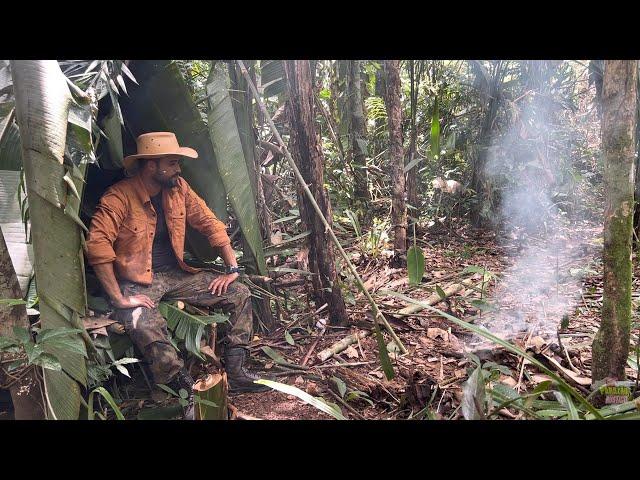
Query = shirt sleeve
x=200 y=217
x=105 y=225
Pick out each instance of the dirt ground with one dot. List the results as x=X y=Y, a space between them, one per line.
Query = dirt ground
x=438 y=361
x=437 y=364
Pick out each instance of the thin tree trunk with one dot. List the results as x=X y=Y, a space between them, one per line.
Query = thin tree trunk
x=307 y=152
x=26 y=394
x=396 y=155
x=412 y=175
x=479 y=181
x=358 y=137
x=611 y=344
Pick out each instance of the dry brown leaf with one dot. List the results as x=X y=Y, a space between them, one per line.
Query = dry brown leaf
x=539 y=378
x=312 y=389
x=208 y=351
x=351 y=352
x=398 y=283
x=509 y=381
x=435 y=332
x=299 y=380
x=456 y=344
x=100 y=331
x=537 y=343
x=276 y=237
x=93 y=323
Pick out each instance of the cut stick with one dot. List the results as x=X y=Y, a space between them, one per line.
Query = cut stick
x=341 y=345
x=435 y=298
x=213 y=388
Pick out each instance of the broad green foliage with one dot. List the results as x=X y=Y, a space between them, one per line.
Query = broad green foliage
x=415 y=264
x=187 y=327
x=232 y=165
x=53 y=207
x=320 y=404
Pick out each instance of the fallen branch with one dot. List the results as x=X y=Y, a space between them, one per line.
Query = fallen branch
x=435 y=298
x=270 y=146
x=579 y=382
x=312 y=348
x=338 y=365
x=342 y=345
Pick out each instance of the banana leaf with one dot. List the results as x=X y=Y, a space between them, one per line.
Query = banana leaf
x=10 y=151
x=232 y=165
x=42 y=102
x=187 y=327
x=272 y=77
x=162 y=102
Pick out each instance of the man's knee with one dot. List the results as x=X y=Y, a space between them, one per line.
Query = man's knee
x=241 y=290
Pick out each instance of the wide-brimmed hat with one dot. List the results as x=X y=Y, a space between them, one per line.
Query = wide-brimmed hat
x=157 y=144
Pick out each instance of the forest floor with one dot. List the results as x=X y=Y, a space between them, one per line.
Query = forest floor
x=535 y=282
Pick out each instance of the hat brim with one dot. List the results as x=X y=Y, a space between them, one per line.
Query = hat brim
x=130 y=161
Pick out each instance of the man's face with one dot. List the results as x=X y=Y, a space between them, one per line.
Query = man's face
x=167 y=170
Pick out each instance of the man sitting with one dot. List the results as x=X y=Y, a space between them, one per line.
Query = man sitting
x=136 y=247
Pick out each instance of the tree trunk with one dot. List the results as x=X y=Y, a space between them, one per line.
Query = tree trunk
x=396 y=155
x=611 y=344
x=307 y=152
x=358 y=137
x=26 y=393
x=479 y=181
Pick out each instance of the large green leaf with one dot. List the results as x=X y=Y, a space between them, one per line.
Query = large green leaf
x=304 y=396
x=435 y=130
x=63 y=394
x=187 y=327
x=473 y=396
x=415 y=264
x=232 y=165
x=10 y=150
x=42 y=102
x=272 y=77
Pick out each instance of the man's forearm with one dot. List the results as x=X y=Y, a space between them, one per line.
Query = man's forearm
x=107 y=277
x=229 y=256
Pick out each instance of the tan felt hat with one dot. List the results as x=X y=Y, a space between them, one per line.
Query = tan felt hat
x=157 y=144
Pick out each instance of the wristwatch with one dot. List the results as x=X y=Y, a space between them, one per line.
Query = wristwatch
x=235 y=269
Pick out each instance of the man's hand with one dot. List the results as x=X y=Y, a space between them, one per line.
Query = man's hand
x=133 y=301
x=219 y=284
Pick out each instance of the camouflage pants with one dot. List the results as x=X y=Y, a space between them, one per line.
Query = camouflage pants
x=148 y=329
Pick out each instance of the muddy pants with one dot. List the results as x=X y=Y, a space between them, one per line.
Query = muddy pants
x=148 y=329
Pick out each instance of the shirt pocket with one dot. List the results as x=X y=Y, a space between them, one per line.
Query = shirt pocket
x=132 y=236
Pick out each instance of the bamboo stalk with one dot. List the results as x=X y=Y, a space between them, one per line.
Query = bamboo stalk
x=435 y=298
x=342 y=345
x=376 y=311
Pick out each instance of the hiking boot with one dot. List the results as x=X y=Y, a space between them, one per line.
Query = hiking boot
x=184 y=380
x=240 y=379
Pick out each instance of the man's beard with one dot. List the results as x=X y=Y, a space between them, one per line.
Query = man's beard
x=168 y=182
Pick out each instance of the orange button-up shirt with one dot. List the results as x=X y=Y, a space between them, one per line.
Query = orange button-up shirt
x=124 y=224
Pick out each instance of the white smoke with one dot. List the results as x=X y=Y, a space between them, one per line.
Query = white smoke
x=541 y=240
